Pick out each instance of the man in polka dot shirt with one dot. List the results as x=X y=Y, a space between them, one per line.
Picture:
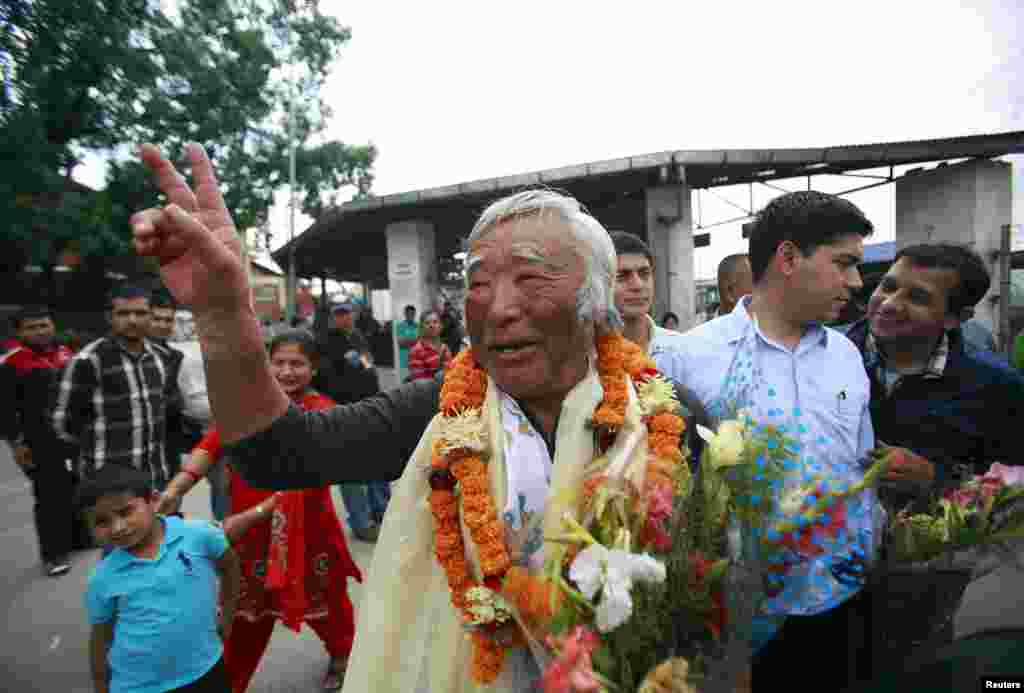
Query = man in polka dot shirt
x=773 y=355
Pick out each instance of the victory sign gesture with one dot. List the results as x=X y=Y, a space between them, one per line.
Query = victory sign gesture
x=199 y=250
x=193 y=237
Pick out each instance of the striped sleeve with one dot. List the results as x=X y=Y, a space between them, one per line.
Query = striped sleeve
x=74 y=397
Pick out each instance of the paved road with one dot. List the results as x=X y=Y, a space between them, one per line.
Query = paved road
x=46 y=645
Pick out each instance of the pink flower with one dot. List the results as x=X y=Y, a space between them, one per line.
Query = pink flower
x=571 y=672
x=1008 y=475
x=659 y=503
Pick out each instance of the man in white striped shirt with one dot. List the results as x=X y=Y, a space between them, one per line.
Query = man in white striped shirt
x=111 y=397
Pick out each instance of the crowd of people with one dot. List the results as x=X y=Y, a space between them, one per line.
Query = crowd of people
x=546 y=284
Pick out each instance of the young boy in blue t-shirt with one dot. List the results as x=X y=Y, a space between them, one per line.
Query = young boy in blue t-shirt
x=152 y=601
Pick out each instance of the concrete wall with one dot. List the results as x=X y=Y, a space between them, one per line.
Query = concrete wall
x=412 y=267
x=965 y=203
x=670 y=235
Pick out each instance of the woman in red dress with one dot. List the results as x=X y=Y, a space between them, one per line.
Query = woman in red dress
x=295 y=567
x=429 y=355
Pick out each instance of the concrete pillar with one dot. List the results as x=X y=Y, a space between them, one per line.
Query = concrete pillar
x=964 y=203
x=412 y=268
x=670 y=235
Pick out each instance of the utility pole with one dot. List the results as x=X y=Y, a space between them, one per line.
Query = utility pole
x=290 y=283
x=1005 y=285
x=290 y=309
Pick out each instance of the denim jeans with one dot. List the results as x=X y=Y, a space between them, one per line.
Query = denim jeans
x=365 y=503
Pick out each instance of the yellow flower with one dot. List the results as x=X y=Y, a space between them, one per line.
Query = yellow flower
x=657 y=395
x=464 y=430
x=726 y=446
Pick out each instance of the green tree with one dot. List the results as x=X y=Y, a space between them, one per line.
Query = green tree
x=103 y=75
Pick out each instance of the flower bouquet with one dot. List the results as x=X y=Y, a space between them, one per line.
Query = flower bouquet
x=931 y=557
x=657 y=578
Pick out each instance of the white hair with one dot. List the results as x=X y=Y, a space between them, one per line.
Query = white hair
x=595 y=299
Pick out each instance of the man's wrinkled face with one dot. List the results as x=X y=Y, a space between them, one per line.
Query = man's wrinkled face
x=130 y=318
x=634 y=286
x=912 y=302
x=822 y=283
x=161 y=324
x=523 y=277
x=38 y=333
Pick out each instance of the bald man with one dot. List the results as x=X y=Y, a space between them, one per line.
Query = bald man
x=735 y=280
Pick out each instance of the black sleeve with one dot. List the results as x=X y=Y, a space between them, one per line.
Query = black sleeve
x=366 y=441
x=694 y=413
x=11 y=411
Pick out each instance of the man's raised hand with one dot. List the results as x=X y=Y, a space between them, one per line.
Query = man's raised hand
x=193 y=237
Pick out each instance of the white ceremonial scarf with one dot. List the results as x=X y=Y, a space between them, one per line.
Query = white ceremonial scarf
x=408 y=634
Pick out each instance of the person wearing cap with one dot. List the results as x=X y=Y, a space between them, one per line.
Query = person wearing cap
x=348 y=375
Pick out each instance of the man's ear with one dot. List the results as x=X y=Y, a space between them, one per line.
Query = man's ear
x=786 y=257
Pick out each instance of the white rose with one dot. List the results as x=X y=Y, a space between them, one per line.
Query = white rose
x=726 y=446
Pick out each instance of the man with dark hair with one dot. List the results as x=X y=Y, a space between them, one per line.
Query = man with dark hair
x=735 y=280
x=161 y=327
x=347 y=375
x=634 y=296
x=773 y=356
x=953 y=409
x=29 y=374
x=111 y=402
x=452 y=333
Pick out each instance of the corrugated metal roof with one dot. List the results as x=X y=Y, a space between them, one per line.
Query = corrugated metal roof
x=628 y=175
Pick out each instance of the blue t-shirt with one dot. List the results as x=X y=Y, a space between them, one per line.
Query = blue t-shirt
x=164 y=609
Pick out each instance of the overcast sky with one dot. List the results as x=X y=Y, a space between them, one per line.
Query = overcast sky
x=457 y=91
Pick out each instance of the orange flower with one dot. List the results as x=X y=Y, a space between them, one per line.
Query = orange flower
x=666 y=423
x=488 y=658
x=443 y=505
x=475 y=484
x=494 y=562
x=531 y=595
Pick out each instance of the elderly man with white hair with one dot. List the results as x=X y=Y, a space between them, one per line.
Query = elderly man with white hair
x=545 y=350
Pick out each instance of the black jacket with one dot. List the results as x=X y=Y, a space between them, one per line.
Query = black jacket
x=966 y=418
x=366 y=441
x=340 y=378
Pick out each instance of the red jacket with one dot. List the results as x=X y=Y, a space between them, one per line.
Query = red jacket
x=29 y=381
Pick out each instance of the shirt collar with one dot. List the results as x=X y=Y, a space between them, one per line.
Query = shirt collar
x=172 y=535
x=147 y=347
x=935 y=368
x=739 y=320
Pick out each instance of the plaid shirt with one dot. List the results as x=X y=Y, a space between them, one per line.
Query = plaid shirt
x=111 y=403
x=874 y=362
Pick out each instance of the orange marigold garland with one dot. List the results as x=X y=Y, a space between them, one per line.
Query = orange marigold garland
x=457 y=462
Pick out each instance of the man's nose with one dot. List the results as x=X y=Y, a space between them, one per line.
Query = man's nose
x=506 y=301
x=854 y=280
